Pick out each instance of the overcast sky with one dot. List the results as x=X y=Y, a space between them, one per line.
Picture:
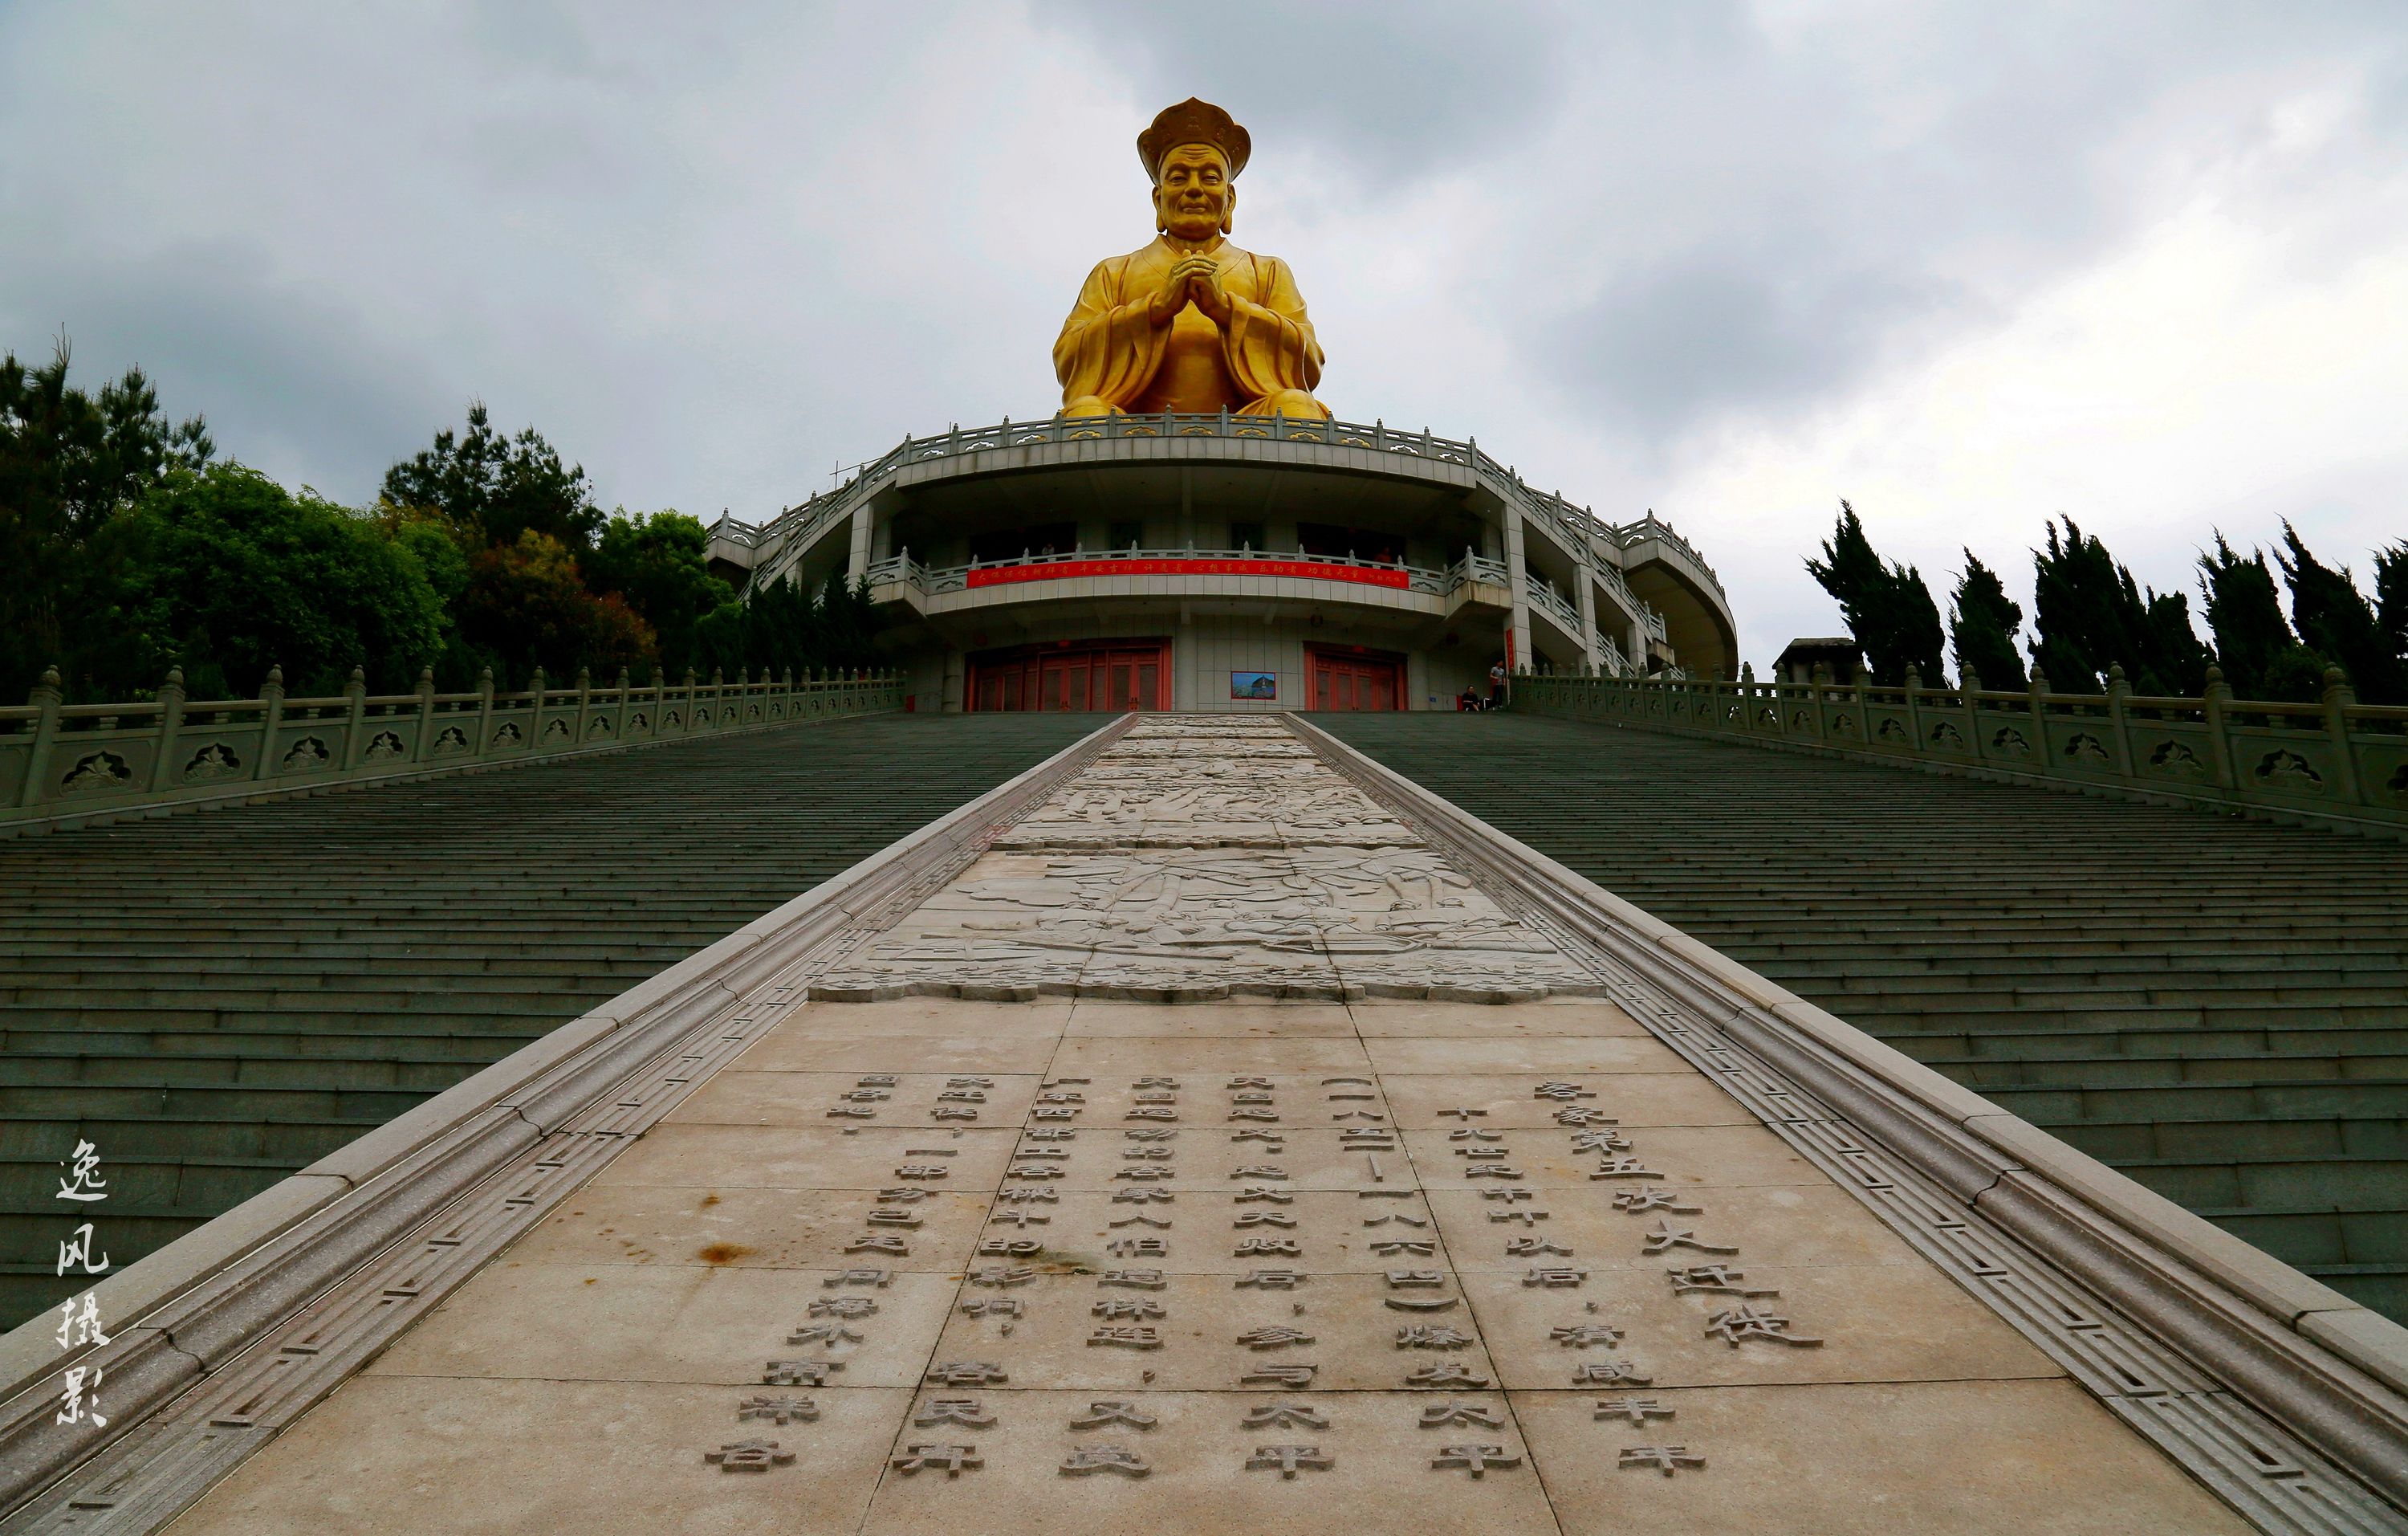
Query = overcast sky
x=1968 y=265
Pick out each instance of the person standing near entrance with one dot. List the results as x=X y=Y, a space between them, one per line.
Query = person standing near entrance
x=1497 y=686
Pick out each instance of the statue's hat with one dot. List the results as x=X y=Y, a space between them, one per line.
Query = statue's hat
x=1192 y=122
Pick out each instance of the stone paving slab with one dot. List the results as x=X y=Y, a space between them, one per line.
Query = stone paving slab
x=1323 y=1261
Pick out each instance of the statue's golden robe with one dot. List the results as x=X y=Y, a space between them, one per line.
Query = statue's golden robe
x=1111 y=357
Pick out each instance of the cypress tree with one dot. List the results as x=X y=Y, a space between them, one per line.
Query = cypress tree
x=1887 y=607
x=2244 y=612
x=2333 y=619
x=1982 y=624
x=2391 y=596
x=2091 y=615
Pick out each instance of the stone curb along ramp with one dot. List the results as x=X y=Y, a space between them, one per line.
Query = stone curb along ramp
x=2272 y=1391
x=2246 y=1370
x=223 y=1338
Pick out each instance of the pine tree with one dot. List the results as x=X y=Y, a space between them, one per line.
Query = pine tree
x=2392 y=597
x=2333 y=619
x=2244 y=612
x=1887 y=607
x=1982 y=624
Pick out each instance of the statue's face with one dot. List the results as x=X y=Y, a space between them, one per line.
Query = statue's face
x=1194 y=198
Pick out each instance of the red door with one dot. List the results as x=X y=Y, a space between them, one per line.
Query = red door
x=1349 y=681
x=1116 y=675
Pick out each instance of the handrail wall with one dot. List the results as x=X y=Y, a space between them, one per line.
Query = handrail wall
x=59 y=760
x=2335 y=760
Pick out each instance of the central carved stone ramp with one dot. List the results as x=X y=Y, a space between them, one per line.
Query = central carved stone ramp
x=993 y=1235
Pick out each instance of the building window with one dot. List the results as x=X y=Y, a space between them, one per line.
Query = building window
x=1128 y=535
x=1246 y=535
x=1014 y=544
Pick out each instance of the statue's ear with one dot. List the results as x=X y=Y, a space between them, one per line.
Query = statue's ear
x=1161 y=224
x=1230 y=211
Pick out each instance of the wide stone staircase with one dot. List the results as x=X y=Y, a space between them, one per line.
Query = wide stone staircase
x=2217 y=1006
x=215 y=999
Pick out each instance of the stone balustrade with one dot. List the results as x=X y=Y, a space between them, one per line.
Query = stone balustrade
x=59 y=760
x=2332 y=760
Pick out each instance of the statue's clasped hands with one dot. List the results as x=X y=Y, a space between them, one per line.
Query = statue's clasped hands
x=1192 y=279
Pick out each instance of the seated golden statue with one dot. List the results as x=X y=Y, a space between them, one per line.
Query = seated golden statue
x=1191 y=323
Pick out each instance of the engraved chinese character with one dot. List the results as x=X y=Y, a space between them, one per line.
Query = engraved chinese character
x=852 y=1112
x=1366 y=1141
x=1287 y=1460
x=1456 y=1413
x=1600 y=1140
x=1126 y=1337
x=969 y=1413
x=895 y=1218
x=1271 y=1139
x=877 y=1080
x=1638 y=1200
x=1607 y=1374
x=1666 y=1235
x=878 y=1242
x=1152 y=1111
x=1249 y=1246
x=798 y=1372
x=1258 y=1170
x=1739 y=1324
x=1061 y=1095
x=749 y=1456
x=1572 y=1114
x=824 y=1333
x=1492 y=1170
x=950 y=1459
x=1624 y=1168
x=80 y=1185
x=1141 y=1196
x=1250 y=1098
x=1258 y=1192
x=1024 y=1195
x=776 y=1410
x=1114 y=1411
x=967 y=1374
x=901 y=1197
x=1032 y=1171
x=1249 y=1083
x=1530 y=1247
x=1279 y=1375
x=993 y=1306
x=1271 y=1115
x=1149 y=1155
x=1022 y=1219
x=1719 y=1279
x=1170 y=1083
x=1053 y=1133
x=1636 y=1410
x=1139 y=1247
x=1270 y=1279
x=1117 y=1309
x=843 y=1306
x=1427 y=1337
x=1555 y=1277
x=922 y=1170
x=1158 y=1225
x=1143 y=1280
x=1284 y=1415
x=1273 y=1338
x=1010 y=1247
x=1263 y=1218
x=1446 y=1374
x=1475 y=1460
x=1422 y=1246
x=994 y=1276
x=1399 y=1280
x=1104 y=1458
x=1666 y=1459
x=1464 y=1114
x=1560 y=1091
x=1583 y=1335
x=1144 y=1174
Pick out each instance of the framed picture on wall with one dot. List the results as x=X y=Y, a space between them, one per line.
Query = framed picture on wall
x=1253 y=685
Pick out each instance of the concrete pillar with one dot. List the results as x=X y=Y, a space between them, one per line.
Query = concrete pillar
x=1517 y=576
x=952 y=702
x=1588 y=620
x=858 y=567
x=1637 y=656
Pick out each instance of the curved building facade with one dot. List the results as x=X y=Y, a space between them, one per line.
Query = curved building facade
x=1228 y=562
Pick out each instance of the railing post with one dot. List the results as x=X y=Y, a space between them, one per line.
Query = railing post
x=1818 y=681
x=1914 y=709
x=535 y=689
x=625 y=706
x=2038 y=694
x=171 y=719
x=424 y=743
x=2118 y=690
x=45 y=697
x=356 y=690
x=690 y=676
x=2214 y=699
x=485 y=742
x=1969 y=683
x=270 y=720
x=584 y=706
x=2338 y=698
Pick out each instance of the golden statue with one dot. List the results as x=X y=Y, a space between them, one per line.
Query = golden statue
x=1191 y=323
